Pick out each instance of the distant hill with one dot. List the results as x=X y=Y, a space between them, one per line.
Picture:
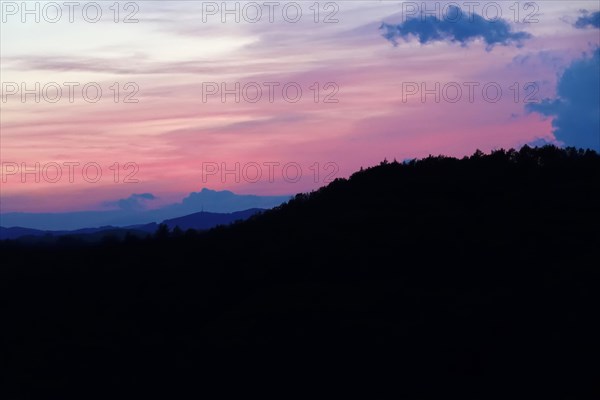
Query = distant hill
x=206 y=220
x=17 y=232
x=472 y=278
x=198 y=221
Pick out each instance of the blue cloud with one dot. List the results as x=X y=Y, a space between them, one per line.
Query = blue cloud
x=588 y=20
x=455 y=28
x=135 y=202
x=225 y=201
x=576 y=110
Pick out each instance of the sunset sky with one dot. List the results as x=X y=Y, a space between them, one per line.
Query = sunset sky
x=365 y=62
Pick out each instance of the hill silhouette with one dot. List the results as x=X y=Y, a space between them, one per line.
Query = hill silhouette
x=198 y=221
x=205 y=220
x=435 y=278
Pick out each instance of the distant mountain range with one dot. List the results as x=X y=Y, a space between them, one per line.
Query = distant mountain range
x=134 y=211
x=198 y=221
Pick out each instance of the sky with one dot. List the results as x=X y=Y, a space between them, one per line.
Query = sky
x=280 y=101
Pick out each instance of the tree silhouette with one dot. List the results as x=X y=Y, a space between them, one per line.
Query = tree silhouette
x=162 y=233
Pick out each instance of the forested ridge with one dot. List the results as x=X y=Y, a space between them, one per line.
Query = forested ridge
x=474 y=277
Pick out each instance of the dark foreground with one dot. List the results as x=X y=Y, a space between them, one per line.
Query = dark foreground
x=444 y=278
